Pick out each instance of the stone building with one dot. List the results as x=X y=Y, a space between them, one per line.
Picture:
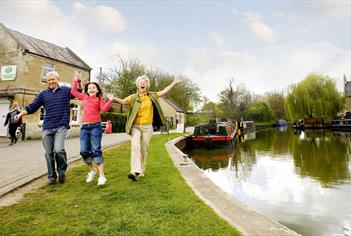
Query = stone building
x=347 y=92
x=172 y=111
x=24 y=63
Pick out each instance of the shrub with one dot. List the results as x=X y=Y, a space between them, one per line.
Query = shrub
x=118 y=121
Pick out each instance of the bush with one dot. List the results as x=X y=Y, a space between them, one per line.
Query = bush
x=118 y=121
x=196 y=119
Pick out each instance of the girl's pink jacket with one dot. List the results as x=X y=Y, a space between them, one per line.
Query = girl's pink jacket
x=91 y=105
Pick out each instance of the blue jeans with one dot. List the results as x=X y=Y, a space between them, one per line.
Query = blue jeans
x=54 y=145
x=90 y=143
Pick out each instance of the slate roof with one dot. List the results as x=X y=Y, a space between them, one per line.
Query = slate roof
x=48 y=50
x=172 y=103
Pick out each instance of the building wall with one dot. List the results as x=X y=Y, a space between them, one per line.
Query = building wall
x=171 y=114
x=347 y=92
x=28 y=84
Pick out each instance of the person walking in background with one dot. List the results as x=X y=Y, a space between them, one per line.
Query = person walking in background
x=91 y=131
x=144 y=113
x=12 y=123
x=56 y=102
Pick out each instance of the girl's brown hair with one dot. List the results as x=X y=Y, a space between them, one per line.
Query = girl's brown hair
x=98 y=94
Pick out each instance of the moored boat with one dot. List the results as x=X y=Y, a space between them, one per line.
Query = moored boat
x=280 y=123
x=246 y=126
x=341 y=124
x=212 y=134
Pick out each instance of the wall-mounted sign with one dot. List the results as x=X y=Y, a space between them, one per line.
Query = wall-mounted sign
x=8 y=72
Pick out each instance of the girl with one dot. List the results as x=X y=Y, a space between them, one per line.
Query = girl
x=91 y=132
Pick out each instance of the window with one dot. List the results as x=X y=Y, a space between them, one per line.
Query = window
x=46 y=69
x=74 y=114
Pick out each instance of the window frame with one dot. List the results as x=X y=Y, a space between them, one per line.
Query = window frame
x=47 y=67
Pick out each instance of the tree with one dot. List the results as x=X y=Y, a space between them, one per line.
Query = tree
x=209 y=108
x=276 y=102
x=259 y=111
x=121 y=82
x=234 y=101
x=315 y=96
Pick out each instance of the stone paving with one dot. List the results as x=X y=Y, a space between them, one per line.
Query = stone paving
x=25 y=161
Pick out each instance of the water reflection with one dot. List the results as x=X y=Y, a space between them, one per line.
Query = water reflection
x=301 y=179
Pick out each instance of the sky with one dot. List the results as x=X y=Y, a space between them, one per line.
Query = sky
x=262 y=45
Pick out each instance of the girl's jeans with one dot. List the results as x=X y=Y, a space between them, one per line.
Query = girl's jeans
x=90 y=143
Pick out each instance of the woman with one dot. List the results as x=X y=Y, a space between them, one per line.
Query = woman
x=144 y=113
x=13 y=123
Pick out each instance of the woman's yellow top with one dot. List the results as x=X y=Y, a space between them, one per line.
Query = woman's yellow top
x=145 y=112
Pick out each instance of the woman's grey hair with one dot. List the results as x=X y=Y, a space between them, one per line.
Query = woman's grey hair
x=53 y=73
x=143 y=77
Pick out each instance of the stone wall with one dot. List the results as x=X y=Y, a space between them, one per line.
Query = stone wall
x=27 y=83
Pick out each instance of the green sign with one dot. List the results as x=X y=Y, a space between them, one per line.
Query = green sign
x=8 y=72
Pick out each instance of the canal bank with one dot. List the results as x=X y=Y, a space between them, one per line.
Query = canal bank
x=243 y=217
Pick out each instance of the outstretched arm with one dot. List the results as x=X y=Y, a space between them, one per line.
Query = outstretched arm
x=121 y=101
x=74 y=89
x=176 y=80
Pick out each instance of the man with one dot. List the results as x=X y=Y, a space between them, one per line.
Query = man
x=12 y=123
x=56 y=102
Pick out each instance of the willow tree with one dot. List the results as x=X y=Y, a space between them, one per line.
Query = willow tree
x=315 y=96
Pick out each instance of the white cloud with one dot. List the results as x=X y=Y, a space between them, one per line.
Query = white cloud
x=217 y=39
x=336 y=9
x=147 y=54
x=260 y=29
x=99 y=17
x=43 y=20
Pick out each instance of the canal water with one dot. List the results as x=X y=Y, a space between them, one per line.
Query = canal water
x=301 y=179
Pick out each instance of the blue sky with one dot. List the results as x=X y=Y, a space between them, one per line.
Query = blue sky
x=263 y=45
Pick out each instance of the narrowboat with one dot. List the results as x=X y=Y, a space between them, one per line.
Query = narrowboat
x=299 y=124
x=280 y=123
x=212 y=135
x=341 y=124
x=246 y=126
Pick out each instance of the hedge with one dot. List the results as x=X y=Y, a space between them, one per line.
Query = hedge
x=118 y=120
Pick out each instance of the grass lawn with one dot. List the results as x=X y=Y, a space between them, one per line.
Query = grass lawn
x=161 y=203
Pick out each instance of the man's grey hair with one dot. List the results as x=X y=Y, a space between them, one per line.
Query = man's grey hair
x=143 y=77
x=53 y=73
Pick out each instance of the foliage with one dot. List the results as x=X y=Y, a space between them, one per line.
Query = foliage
x=209 y=108
x=118 y=121
x=234 y=101
x=276 y=102
x=186 y=93
x=196 y=119
x=315 y=96
x=259 y=111
x=156 y=204
x=121 y=82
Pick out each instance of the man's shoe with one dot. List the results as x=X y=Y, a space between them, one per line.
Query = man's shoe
x=132 y=177
x=62 y=178
x=52 y=181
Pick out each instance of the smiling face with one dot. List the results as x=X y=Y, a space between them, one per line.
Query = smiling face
x=142 y=86
x=52 y=81
x=92 y=90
